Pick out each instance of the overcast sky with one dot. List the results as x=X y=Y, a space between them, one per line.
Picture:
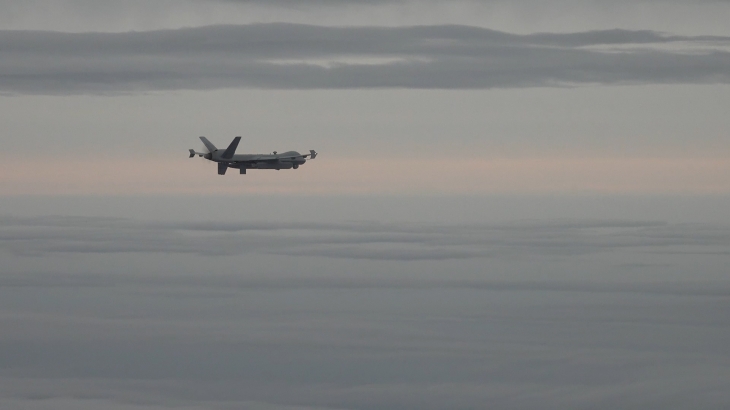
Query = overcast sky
x=517 y=204
x=603 y=98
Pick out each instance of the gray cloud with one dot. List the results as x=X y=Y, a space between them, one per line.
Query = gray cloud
x=322 y=327
x=291 y=56
x=356 y=240
x=428 y=348
x=221 y=283
x=315 y=3
x=309 y=3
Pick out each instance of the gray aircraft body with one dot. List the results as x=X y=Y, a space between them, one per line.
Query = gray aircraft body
x=229 y=159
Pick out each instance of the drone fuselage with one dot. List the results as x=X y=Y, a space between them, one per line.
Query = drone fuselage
x=228 y=159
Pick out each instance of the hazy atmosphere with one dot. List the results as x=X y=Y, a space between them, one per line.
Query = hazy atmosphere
x=516 y=204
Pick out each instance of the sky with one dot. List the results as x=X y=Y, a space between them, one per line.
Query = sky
x=516 y=204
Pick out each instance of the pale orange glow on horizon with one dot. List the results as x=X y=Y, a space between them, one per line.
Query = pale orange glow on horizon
x=332 y=176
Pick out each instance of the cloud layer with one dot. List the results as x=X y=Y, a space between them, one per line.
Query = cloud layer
x=292 y=56
x=357 y=240
x=143 y=315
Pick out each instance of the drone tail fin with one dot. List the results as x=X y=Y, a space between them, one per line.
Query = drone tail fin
x=228 y=153
x=209 y=145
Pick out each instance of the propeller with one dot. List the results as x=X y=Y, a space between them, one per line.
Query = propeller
x=203 y=153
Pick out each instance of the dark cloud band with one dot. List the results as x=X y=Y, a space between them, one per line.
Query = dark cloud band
x=291 y=56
